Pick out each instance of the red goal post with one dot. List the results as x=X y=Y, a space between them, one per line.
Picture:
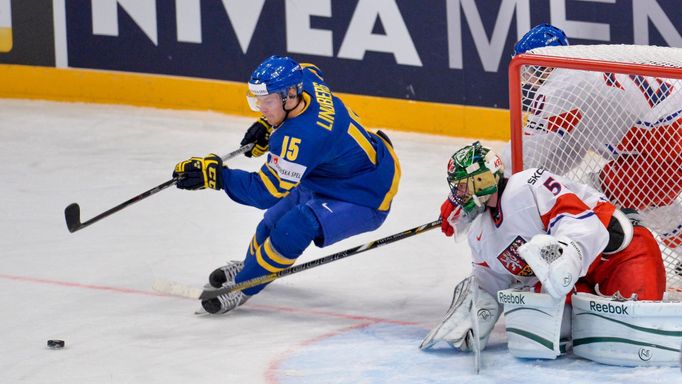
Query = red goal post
x=609 y=116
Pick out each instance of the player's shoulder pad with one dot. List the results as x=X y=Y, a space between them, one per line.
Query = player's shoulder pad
x=314 y=69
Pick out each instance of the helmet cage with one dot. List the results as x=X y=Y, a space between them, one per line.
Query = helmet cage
x=473 y=175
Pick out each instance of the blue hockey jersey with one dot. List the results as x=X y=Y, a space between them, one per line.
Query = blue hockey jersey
x=324 y=149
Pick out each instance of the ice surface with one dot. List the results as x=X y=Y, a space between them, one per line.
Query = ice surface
x=358 y=320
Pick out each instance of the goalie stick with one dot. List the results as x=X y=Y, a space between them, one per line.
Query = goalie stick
x=175 y=289
x=72 y=212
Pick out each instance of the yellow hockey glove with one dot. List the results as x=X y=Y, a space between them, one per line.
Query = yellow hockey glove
x=200 y=173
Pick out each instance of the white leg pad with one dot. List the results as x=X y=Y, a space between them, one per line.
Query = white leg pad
x=533 y=323
x=628 y=333
x=473 y=313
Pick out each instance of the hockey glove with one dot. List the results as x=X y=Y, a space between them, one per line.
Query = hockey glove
x=556 y=262
x=200 y=173
x=450 y=212
x=259 y=135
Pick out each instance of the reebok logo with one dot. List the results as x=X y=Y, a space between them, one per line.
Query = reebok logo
x=510 y=299
x=620 y=309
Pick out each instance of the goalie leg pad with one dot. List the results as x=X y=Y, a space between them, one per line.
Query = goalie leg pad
x=533 y=322
x=473 y=312
x=628 y=333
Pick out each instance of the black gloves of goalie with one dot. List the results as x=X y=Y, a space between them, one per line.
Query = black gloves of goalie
x=200 y=173
x=259 y=135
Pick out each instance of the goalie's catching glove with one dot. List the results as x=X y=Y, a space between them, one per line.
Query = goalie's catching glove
x=200 y=173
x=258 y=134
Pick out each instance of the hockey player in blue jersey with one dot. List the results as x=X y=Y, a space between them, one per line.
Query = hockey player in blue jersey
x=325 y=178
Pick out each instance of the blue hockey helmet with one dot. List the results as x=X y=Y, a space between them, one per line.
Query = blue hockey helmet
x=277 y=74
x=543 y=35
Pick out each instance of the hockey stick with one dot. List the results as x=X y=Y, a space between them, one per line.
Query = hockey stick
x=215 y=292
x=72 y=212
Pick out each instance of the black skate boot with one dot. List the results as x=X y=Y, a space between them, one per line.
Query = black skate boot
x=225 y=274
x=224 y=303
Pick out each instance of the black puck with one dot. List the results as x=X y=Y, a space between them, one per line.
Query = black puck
x=55 y=344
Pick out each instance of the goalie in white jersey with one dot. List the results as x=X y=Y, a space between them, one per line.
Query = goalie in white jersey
x=633 y=122
x=539 y=231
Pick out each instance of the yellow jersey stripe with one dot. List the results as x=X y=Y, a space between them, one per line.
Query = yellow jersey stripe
x=362 y=141
x=282 y=184
x=386 y=203
x=353 y=115
x=275 y=256
x=270 y=186
x=261 y=261
x=313 y=68
x=253 y=245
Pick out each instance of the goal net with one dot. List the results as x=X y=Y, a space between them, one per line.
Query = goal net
x=609 y=116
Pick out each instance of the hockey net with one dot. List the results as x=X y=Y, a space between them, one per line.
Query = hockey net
x=609 y=116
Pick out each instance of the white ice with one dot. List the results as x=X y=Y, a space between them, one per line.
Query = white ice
x=358 y=320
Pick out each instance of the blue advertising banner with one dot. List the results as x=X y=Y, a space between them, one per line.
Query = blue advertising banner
x=26 y=32
x=446 y=51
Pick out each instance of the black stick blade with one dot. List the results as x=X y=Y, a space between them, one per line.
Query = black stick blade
x=72 y=213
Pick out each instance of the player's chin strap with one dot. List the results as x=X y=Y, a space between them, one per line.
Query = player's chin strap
x=284 y=104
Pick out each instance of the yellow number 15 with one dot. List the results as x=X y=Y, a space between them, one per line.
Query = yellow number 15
x=290 y=148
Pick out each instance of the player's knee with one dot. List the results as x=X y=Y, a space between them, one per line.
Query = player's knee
x=294 y=232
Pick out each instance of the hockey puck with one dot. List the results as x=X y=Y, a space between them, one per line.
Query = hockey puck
x=55 y=344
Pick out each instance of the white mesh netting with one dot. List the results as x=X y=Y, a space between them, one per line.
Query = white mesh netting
x=620 y=133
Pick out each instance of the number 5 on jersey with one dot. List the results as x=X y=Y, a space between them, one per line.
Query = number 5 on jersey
x=290 y=148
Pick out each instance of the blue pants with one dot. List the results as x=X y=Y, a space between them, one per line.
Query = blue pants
x=289 y=226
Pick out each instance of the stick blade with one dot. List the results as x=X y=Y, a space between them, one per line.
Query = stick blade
x=72 y=213
x=173 y=288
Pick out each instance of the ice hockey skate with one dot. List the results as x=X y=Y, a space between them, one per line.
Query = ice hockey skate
x=224 y=303
x=225 y=274
x=222 y=277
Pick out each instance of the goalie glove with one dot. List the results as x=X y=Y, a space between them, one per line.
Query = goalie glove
x=473 y=311
x=556 y=262
x=449 y=213
x=200 y=173
x=454 y=221
x=258 y=134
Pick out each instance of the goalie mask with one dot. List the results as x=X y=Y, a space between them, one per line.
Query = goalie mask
x=474 y=172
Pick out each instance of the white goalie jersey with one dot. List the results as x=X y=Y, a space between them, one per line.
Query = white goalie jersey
x=535 y=202
x=570 y=110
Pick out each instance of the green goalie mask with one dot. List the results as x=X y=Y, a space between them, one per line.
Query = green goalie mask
x=474 y=172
